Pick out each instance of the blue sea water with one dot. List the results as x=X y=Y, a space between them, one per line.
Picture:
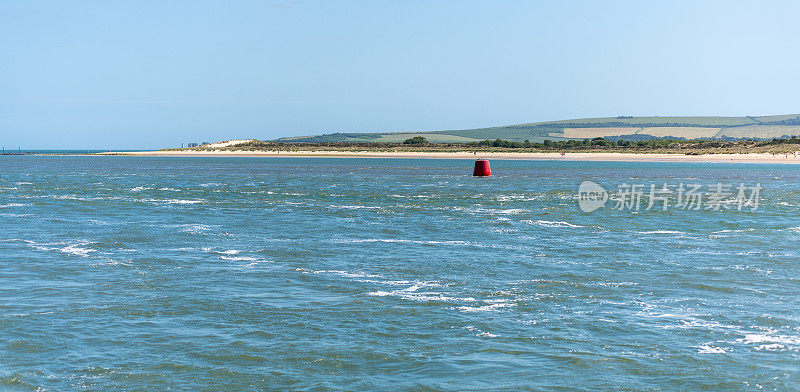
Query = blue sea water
x=248 y=274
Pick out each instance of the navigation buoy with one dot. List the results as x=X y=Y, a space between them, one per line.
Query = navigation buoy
x=482 y=168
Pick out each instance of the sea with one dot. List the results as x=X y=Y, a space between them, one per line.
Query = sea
x=337 y=274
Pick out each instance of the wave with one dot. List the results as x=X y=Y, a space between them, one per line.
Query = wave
x=118 y=198
x=502 y=198
x=764 y=342
x=340 y=273
x=508 y=211
x=355 y=207
x=418 y=296
x=418 y=242
x=708 y=349
x=77 y=248
x=255 y=263
x=413 y=196
x=193 y=228
x=733 y=231
x=174 y=201
x=238 y=258
x=493 y=307
x=8 y=205
x=545 y=223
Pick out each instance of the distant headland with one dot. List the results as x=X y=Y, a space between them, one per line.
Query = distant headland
x=727 y=139
x=620 y=127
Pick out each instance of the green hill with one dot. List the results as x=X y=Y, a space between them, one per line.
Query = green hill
x=764 y=127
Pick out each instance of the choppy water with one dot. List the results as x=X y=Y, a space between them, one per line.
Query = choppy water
x=245 y=274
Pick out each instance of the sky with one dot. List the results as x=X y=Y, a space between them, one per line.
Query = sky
x=154 y=74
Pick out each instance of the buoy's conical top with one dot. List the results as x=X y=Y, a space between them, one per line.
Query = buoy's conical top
x=482 y=168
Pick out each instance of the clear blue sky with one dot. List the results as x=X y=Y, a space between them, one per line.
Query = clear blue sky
x=146 y=74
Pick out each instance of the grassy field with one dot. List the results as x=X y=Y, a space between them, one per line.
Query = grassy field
x=584 y=133
x=761 y=131
x=679 y=127
x=684 y=132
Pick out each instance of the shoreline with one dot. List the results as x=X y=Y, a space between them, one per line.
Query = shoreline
x=547 y=156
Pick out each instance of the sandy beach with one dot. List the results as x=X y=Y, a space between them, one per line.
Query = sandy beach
x=598 y=156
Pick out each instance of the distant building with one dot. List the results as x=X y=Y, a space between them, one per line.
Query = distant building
x=204 y=143
x=190 y=145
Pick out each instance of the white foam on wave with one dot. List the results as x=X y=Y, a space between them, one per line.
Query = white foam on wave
x=420 y=291
x=615 y=284
x=140 y=188
x=494 y=306
x=510 y=211
x=516 y=198
x=341 y=273
x=109 y=261
x=412 y=196
x=238 y=258
x=757 y=337
x=680 y=320
x=480 y=333
x=255 y=264
x=424 y=242
x=480 y=210
x=732 y=231
x=412 y=294
x=419 y=242
x=709 y=349
x=355 y=207
x=545 y=223
x=174 y=201
x=769 y=342
x=8 y=205
x=16 y=240
x=83 y=198
x=193 y=228
x=662 y=232
x=77 y=250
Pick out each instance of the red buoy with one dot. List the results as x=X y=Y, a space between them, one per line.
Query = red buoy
x=482 y=168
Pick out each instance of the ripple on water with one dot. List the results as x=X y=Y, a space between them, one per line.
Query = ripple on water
x=344 y=274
